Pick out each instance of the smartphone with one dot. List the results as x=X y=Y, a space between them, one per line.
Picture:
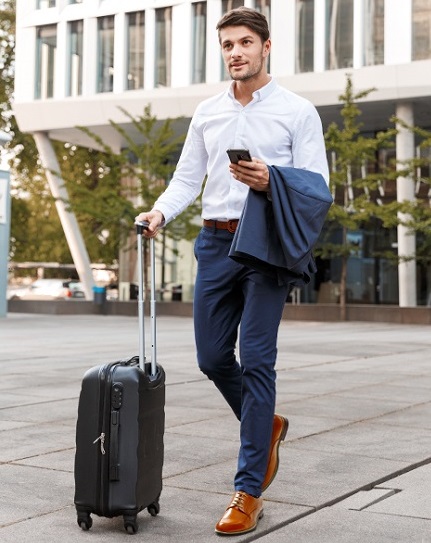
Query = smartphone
x=238 y=154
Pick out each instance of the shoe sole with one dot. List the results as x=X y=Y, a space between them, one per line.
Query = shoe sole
x=219 y=532
x=282 y=438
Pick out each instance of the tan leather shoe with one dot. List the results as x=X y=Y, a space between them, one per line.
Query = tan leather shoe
x=279 y=431
x=241 y=516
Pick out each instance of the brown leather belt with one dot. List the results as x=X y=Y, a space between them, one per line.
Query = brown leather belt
x=230 y=226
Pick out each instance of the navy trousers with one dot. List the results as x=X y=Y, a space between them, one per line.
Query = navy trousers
x=230 y=300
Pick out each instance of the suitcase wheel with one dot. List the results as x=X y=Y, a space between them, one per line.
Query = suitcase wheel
x=130 y=524
x=154 y=509
x=85 y=521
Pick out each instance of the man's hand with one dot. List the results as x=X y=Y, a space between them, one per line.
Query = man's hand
x=255 y=174
x=155 y=220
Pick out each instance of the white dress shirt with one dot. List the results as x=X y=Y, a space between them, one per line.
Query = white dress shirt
x=277 y=126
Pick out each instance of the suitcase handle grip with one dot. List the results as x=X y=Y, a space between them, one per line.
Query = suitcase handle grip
x=141 y=226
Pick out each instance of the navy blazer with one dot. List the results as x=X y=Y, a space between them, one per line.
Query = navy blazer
x=276 y=235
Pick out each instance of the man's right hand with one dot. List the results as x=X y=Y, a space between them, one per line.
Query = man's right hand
x=155 y=220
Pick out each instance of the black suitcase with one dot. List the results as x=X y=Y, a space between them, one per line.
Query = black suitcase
x=120 y=428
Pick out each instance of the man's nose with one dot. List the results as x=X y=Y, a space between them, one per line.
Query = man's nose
x=236 y=51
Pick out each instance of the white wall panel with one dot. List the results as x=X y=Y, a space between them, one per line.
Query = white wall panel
x=398 y=31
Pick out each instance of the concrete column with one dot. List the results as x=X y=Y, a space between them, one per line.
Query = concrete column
x=68 y=219
x=283 y=38
x=406 y=191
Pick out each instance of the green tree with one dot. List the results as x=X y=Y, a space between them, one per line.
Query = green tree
x=147 y=164
x=354 y=182
x=104 y=206
x=7 y=59
x=150 y=162
x=35 y=224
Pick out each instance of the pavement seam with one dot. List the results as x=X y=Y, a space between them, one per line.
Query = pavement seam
x=38 y=515
x=350 y=359
x=353 y=423
x=315 y=509
x=54 y=451
x=43 y=402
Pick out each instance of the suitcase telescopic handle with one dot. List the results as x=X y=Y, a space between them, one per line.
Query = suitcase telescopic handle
x=140 y=227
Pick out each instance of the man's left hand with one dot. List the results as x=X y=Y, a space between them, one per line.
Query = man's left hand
x=255 y=174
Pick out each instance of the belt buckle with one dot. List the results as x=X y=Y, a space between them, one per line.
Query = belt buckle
x=231 y=226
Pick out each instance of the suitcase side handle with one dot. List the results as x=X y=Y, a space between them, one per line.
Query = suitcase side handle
x=140 y=227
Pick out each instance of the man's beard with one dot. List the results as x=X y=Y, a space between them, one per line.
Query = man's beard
x=250 y=74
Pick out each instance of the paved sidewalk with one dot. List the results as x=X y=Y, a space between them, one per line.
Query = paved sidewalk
x=355 y=467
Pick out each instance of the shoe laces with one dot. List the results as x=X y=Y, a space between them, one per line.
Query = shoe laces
x=238 y=501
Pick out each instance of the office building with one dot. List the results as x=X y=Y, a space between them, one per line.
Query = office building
x=78 y=61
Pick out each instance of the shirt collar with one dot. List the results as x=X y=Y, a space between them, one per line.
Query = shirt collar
x=259 y=94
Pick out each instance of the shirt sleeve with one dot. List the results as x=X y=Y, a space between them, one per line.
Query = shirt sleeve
x=186 y=183
x=308 y=146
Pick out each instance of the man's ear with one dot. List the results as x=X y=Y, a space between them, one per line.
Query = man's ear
x=267 y=47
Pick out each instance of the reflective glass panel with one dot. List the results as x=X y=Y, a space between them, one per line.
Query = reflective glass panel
x=304 y=59
x=163 y=47
x=339 y=34
x=43 y=4
x=46 y=49
x=421 y=31
x=75 y=58
x=135 y=50
x=374 y=32
x=105 y=81
x=199 y=24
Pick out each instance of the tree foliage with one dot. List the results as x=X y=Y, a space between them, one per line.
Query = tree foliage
x=359 y=182
x=355 y=182
x=7 y=59
x=148 y=164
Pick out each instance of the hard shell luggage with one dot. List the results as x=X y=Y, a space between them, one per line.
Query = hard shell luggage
x=120 y=428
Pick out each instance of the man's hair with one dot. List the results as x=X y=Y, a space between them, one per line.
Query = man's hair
x=248 y=17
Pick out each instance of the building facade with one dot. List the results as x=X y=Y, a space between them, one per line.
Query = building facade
x=79 y=61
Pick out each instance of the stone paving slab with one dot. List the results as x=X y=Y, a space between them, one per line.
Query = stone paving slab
x=373 y=440
x=357 y=396
x=407 y=501
x=332 y=525
x=316 y=478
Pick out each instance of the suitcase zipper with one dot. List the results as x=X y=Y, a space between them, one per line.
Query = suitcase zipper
x=101 y=438
x=105 y=386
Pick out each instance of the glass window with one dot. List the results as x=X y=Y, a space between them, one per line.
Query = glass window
x=163 y=47
x=199 y=42
x=421 y=32
x=105 y=81
x=374 y=36
x=43 y=4
x=264 y=7
x=135 y=50
x=339 y=34
x=226 y=6
x=304 y=56
x=75 y=58
x=46 y=49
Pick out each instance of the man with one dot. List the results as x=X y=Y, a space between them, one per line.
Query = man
x=281 y=129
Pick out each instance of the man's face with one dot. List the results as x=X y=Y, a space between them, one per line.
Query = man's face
x=244 y=54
